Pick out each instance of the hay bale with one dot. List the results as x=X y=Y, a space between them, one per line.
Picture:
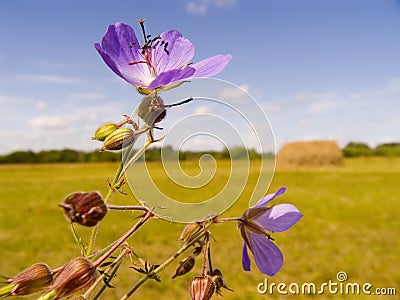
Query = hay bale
x=310 y=154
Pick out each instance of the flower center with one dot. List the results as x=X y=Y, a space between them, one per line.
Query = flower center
x=147 y=47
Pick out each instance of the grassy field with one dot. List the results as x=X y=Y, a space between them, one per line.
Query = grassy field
x=351 y=223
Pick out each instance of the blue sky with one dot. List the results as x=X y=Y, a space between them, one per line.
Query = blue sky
x=320 y=69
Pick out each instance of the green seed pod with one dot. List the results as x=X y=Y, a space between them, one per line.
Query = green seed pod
x=104 y=130
x=202 y=288
x=185 y=265
x=118 y=139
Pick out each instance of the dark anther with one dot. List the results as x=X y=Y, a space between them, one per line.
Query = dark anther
x=270 y=237
x=165 y=48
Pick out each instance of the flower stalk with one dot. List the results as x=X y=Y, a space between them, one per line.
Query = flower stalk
x=114 y=266
x=161 y=267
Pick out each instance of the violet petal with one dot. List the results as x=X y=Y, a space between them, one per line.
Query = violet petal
x=267 y=256
x=171 y=77
x=279 y=217
x=210 y=66
x=245 y=258
x=180 y=51
x=119 y=47
x=264 y=201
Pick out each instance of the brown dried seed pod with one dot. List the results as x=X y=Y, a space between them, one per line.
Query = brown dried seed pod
x=202 y=288
x=85 y=208
x=76 y=274
x=189 y=231
x=184 y=266
x=33 y=279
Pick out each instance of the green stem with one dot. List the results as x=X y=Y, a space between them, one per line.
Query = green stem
x=163 y=265
x=6 y=290
x=120 y=172
x=223 y=220
x=110 y=192
x=49 y=296
x=127 y=207
x=135 y=157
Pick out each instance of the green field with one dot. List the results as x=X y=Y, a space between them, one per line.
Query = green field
x=351 y=223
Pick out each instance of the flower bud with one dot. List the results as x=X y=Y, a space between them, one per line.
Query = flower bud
x=76 y=274
x=152 y=109
x=202 y=288
x=86 y=209
x=104 y=130
x=31 y=280
x=118 y=139
x=185 y=265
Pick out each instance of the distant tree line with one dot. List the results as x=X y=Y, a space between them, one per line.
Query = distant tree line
x=361 y=149
x=151 y=154
x=352 y=149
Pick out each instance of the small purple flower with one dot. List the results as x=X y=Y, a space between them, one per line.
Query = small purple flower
x=253 y=225
x=161 y=62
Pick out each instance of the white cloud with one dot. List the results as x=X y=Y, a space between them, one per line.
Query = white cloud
x=234 y=93
x=54 y=79
x=390 y=89
x=311 y=103
x=202 y=110
x=71 y=120
x=12 y=100
x=48 y=122
x=201 y=7
x=40 y=105
x=86 y=96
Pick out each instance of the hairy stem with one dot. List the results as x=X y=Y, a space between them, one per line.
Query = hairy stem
x=110 y=192
x=127 y=207
x=134 y=158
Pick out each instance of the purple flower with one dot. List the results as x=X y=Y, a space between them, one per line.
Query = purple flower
x=253 y=225
x=161 y=62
